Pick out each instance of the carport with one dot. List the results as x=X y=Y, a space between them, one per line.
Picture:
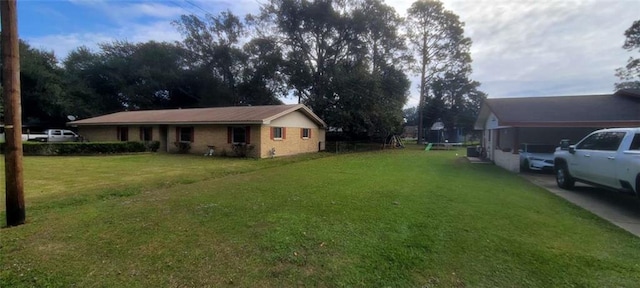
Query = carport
x=508 y=122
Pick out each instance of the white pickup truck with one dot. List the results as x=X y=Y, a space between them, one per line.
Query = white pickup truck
x=609 y=158
x=52 y=135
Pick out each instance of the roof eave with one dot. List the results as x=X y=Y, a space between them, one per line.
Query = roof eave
x=595 y=124
x=255 y=122
x=305 y=110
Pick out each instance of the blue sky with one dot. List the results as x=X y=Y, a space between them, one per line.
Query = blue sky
x=520 y=47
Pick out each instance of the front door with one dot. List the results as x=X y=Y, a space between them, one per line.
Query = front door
x=163 y=138
x=489 y=143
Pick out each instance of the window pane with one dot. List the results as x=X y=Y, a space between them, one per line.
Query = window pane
x=611 y=141
x=239 y=135
x=305 y=132
x=635 y=144
x=608 y=141
x=277 y=132
x=590 y=142
x=185 y=134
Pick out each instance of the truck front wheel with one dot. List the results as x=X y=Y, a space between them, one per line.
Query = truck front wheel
x=563 y=178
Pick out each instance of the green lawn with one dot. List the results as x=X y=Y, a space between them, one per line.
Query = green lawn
x=395 y=218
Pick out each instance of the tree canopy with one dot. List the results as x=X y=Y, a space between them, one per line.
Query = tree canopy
x=342 y=60
x=346 y=60
x=630 y=74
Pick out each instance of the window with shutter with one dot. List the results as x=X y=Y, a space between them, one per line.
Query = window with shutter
x=239 y=135
x=306 y=133
x=184 y=134
x=278 y=133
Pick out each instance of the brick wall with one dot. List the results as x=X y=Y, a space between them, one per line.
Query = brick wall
x=98 y=133
x=110 y=133
x=216 y=135
x=292 y=144
x=204 y=135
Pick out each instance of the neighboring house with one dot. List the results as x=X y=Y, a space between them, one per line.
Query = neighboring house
x=289 y=129
x=410 y=131
x=508 y=122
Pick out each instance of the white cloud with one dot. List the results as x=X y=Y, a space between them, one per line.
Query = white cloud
x=154 y=10
x=62 y=44
x=529 y=48
x=158 y=31
x=128 y=11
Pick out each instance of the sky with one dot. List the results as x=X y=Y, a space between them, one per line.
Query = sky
x=520 y=47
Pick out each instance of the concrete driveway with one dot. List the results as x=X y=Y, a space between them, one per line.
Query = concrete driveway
x=620 y=209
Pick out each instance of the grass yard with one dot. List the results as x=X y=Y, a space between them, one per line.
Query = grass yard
x=394 y=218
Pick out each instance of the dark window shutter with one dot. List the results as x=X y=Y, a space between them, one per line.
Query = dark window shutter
x=247 y=133
x=229 y=131
x=141 y=133
x=271 y=132
x=309 y=132
x=284 y=132
x=151 y=133
x=193 y=134
x=301 y=132
x=177 y=134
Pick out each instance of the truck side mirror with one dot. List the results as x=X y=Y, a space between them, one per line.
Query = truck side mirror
x=564 y=145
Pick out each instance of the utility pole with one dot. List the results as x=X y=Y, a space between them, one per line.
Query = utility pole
x=12 y=114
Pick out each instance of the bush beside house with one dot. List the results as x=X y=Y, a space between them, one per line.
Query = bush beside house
x=87 y=148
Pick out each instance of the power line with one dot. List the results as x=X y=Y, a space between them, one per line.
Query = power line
x=197 y=6
x=187 y=9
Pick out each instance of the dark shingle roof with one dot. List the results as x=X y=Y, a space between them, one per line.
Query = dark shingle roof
x=219 y=115
x=619 y=109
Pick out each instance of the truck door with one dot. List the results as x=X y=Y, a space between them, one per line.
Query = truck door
x=580 y=160
x=69 y=136
x=628 y=165
x=601 y=165
x=55 y=135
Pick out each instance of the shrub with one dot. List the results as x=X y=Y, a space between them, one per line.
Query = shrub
x=183 y=147
x=81 y=148
x=242 y=150
x=152 y=146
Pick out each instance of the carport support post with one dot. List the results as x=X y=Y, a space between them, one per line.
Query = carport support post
x=12 y=114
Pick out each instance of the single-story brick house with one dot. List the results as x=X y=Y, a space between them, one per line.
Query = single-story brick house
x=289 y=129
x=508 y=122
